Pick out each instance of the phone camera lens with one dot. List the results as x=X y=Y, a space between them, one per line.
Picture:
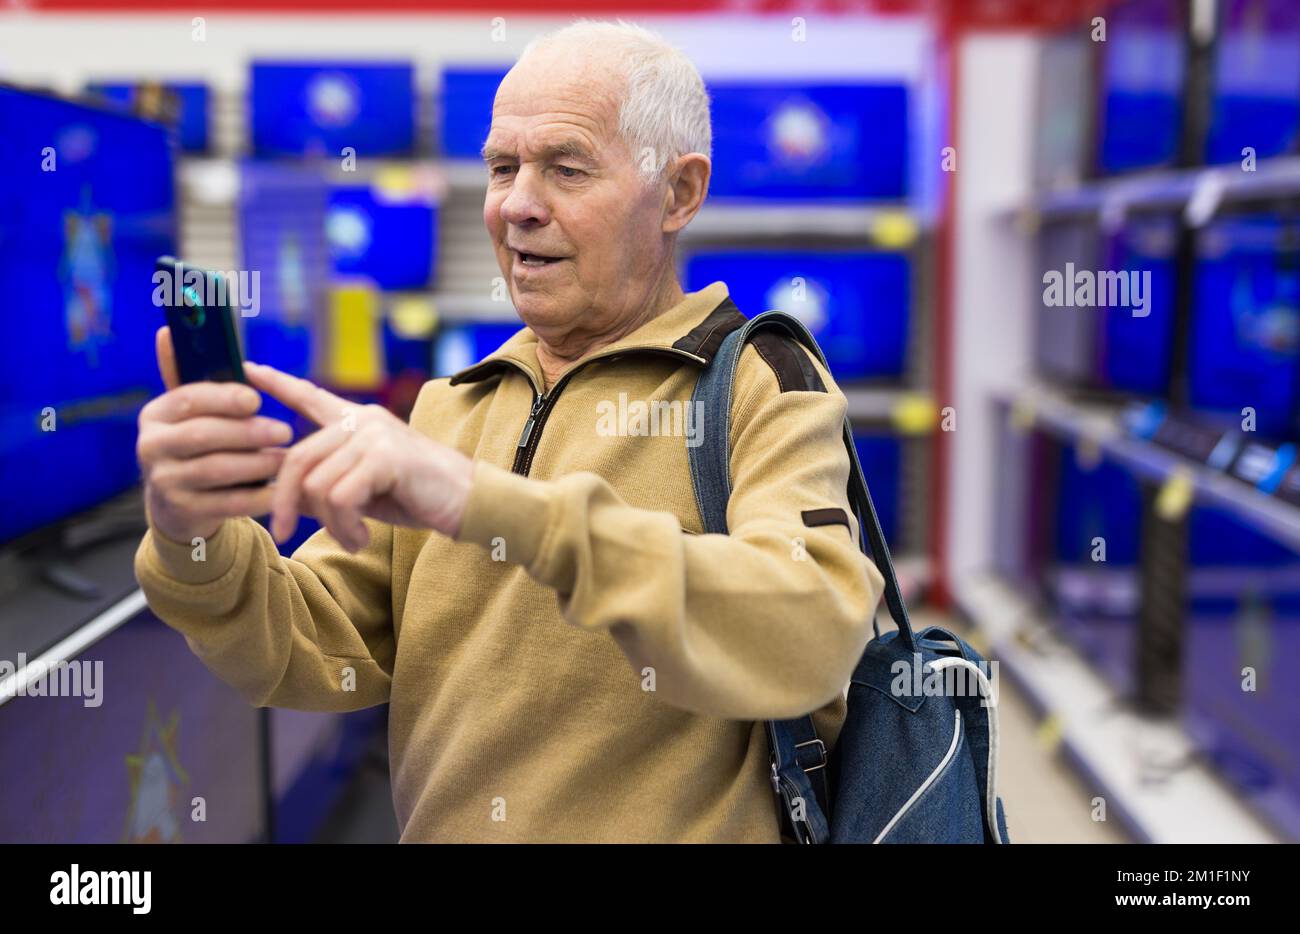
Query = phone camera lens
x=194 y=314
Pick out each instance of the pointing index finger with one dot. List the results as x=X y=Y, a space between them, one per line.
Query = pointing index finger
x=304 y=397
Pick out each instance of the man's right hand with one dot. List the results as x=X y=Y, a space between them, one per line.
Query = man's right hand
x=196 y=442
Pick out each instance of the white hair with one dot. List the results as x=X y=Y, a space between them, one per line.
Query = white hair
x=665 y=108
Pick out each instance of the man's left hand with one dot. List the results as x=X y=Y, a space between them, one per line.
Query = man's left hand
x=364 y=461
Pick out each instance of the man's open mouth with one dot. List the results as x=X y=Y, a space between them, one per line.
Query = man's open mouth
x=536 y=259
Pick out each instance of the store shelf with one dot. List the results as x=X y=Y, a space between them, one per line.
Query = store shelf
x=1041 y=407
x=1169 y=189
x=905 y=410
x=894 y=226
x=473 y=309
x=464 y=174
x=1144 y=768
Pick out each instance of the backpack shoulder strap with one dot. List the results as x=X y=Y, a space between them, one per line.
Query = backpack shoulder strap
x=711 y=459
x=799 y=758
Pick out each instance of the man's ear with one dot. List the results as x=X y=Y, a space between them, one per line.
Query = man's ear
x=688 y=186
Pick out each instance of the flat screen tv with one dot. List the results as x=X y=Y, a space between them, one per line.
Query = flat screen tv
x=1143 y=66
x=458 y=346
x=808 y=142
x=322 y=108
x=381 y=236
x=186 y=106
x=86 y=205
x=1245 y=328
x=467 y=96
x=857 y=304
x=1255 y=96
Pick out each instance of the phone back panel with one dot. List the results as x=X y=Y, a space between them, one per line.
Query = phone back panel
x=204 y=338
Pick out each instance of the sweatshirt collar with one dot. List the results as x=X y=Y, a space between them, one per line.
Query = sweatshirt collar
x=693 y=328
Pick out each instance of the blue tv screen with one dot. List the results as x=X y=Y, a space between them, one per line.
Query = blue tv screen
x=165 y=732
x=467 y=96
x=809 y=141
x=1242 y=618
x=881 y=458
x=186 y=106
x=319 y=108
x=1143 y=69
x=388 y=239
x=282 y=210
x=86 y=206
x=404 y=353
x=857 y=305
x=1256 y=95
x=1134 y=353
x=1245 y=333
x=458 y=346
x=1101 y=500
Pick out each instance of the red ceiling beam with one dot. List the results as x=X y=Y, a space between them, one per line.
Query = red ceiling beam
x=953 y=16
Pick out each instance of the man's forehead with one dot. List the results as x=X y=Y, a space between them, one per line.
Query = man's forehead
x=541 y=89
x=541 y=124
x=554 y=136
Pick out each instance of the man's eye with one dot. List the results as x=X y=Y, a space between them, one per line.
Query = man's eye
x=500 y=170
x=568 y=171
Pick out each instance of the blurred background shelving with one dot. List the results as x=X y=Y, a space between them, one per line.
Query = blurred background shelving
x=1076 y=484
x=1135 y=557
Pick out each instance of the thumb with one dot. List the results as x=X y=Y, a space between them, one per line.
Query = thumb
x=166 y=357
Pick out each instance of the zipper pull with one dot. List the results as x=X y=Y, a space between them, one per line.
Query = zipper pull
x=532 y=420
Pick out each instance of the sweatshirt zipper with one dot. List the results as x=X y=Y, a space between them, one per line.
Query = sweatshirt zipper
x=533 y=428
x=544 y=402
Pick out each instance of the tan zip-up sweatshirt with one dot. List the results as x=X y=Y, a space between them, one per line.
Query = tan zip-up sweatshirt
x=582 y=664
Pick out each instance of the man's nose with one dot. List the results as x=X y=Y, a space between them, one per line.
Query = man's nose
x=526 y=203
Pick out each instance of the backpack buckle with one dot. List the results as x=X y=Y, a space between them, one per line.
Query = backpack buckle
x=821 y=748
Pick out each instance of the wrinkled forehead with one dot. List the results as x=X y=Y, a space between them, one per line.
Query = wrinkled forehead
x=548 y=99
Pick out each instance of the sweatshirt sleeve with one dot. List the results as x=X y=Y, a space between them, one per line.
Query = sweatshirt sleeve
x=311 y=632
x=765 y=623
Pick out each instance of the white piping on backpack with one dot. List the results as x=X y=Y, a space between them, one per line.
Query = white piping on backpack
x=956 y=739
x=991 y=802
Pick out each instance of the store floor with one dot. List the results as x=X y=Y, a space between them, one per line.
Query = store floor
x=1046 y=802
x=1045 y=799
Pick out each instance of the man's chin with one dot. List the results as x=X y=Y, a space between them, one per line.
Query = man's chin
x=539 y=309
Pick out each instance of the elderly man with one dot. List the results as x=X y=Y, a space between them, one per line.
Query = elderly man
x=566 y=656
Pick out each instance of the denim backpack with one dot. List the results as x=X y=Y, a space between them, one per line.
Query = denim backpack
x=917 y=755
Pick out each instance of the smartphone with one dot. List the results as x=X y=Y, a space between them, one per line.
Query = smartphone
x=197 y=305
x=202 y=326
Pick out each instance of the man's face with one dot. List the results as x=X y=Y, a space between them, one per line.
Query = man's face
x=564 y=188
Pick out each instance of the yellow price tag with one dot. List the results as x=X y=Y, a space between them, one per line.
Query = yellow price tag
x=1051 y=731
x=894 y=230
x=398 y=183
x=1028 y=221
x=413 y=318
x=914 y=414
x=1023 y=414
x=1175 y=496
